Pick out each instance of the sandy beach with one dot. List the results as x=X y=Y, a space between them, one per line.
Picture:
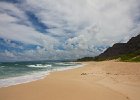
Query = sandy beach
x=108 y=80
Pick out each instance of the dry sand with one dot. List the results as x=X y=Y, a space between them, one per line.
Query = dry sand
x=107 y=80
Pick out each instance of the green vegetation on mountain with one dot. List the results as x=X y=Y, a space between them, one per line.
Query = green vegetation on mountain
x=131 y=57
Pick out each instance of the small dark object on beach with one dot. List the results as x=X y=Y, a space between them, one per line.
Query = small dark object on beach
x=108 y=73
x=127 y=98
x=84 y=74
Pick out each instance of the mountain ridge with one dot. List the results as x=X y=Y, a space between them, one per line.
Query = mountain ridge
x=122 y=48
x=132 y=47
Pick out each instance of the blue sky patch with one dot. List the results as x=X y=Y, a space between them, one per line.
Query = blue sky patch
x=15 y=46
x=36 y=23
x=12 y=1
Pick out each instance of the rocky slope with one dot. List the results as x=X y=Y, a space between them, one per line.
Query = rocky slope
x=122 y=48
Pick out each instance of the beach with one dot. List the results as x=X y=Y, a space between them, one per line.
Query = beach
x=107 y=80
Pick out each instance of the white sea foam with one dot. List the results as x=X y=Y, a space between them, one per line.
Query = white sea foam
x=32 y=77
x=22 y=79
x=66 y=64
x=39 y=66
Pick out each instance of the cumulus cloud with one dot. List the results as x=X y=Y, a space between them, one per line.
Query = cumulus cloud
x=112 y=19
x=15 y=25
x=67 y=29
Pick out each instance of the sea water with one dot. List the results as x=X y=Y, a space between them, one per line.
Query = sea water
x=13 y=73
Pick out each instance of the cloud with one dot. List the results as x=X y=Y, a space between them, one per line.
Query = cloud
x=67 y=29
x=114 y=19
x=11 y=29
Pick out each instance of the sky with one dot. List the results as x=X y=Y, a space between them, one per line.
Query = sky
x=64 y=29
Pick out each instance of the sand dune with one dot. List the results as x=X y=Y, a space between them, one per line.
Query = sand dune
x=107 y=80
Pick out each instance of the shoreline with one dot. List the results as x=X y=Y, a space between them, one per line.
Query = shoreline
x=32 y=77
x=106 y=80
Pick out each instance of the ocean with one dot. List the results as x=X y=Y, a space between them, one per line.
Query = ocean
x=13 y=73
